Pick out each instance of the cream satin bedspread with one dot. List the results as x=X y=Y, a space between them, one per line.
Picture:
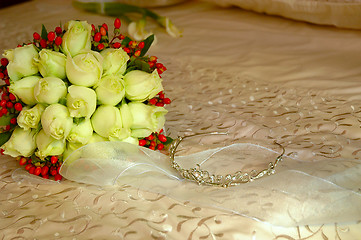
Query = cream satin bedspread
x=261 y=78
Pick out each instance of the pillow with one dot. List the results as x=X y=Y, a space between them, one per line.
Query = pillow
x=339 y=13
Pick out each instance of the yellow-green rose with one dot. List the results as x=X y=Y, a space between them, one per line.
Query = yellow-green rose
x=115 y=61
x=50 y=90
x=30 y=117
x=51 y=63
x=81 y=132
x=21 y=62
x=81 y=101
x=146 y=119
x=141 y=86
x=84 y=69
x=48 y=146
x=21 y=143
x=24 y=89
x=107 y=122
x=56 y=121
x=126 y=115
x=110 y=90
x=77 y=37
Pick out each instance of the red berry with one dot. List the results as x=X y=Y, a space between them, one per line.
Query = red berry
x=159 y=104
x=23 y=161
x=103 y=32
x=159 y=65
x=58 y=41
x=2 y=75
x=160 y=71
x=142 y=142
x=4 y=111
x=160 y=131
x=160 y=146
x=53 y=172
x=150 y=137
x=97 y=37
x=57 y=177
x=117 y=45
x=162 y=138
x=105 y=26
x=43 y=43
x=44 y=171
x=7 y=82
x=167 y=101
x=3 y=103
x=117 y=23
x=137 y=53
x=127 y=50
x=32 y=170
x=45 y=176
x=151 y=64
x=18 y=107
x=51 y=36
x=153 y=59
x=101 y=46
x=27 y=167
x=141 y=45
x=153 y=101
x=53 y=159
x=9 y=105
x=13 y=121
x=58 y=30
x=153 y=143
x=152 y=147
x=7 y=128
x=4 y=62
x=37 y=171
x=36 y=36
x=12 y=97
x=93 y=28
x=161 y=95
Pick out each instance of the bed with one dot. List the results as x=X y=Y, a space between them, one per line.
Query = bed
x=261 y=78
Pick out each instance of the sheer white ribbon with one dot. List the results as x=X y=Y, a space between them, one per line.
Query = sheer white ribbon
x=300 y=193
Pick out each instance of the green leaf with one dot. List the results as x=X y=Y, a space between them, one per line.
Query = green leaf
x=5 y=120
x=4 y=137
x=44 y=33
x=126 y=41
x=147 y=43
x=169 y=140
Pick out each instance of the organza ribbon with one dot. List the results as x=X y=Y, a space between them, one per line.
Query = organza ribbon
x=300 y=193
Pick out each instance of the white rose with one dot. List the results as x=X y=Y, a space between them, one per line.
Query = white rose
x=21 y=62
x=56 y=121
x=115 y=61
x=51 y=64
x=21 y=143
x=30 y=117
x=141 y=86
x=81 y=101
x=107 y=122
x=81 y=132
x=24 y=89
x=77 y=37
x=146 y=119
x=84 y=69
x=110 y=90
x=50 y=90
x=48 y=146
x=127 y=117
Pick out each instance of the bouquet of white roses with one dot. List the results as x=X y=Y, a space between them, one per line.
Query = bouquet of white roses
x=74 y=86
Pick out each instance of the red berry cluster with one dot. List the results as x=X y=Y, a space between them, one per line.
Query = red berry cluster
x=154 y=141
x=160 y=100
x=134 y=48
x=44 y=170
x=153 y=64
x=101 y=36
x=53 y=39
x=8 y=103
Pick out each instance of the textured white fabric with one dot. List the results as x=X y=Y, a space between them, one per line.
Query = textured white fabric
x=339 y=13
